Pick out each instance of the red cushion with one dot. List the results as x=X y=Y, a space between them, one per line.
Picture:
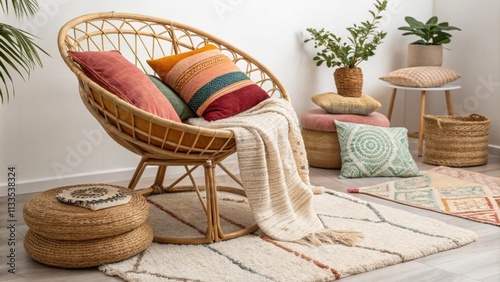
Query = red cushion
x=320 y=120
x=116 y=74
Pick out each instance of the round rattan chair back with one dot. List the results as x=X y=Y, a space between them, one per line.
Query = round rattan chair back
x=140 y=38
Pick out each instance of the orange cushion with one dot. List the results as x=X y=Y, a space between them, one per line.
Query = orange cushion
x=113 y=72
x=209 y=82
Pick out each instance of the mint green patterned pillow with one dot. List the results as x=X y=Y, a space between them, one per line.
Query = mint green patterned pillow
x=368 y=151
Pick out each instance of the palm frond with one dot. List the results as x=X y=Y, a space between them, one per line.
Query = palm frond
x=22 y=8
x=18 y=51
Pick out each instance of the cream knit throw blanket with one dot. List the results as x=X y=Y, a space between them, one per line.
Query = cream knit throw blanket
x=275 y=174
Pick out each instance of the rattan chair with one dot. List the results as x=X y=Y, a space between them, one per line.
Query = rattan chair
x=161 y=142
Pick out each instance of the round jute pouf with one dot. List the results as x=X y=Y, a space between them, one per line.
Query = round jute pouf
x=323 y=148
x=87 y=253
x=63 y=233
x=49 y=217
x=320 y=134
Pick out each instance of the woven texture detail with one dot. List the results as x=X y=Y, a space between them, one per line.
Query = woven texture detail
x=323 y=148
x=87 y=253
x=48 y=217
x=421 y=76
x=337 y=104
x=456 y=141
x=349 y=81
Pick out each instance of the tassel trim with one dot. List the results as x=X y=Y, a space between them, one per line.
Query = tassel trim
x=345 y=237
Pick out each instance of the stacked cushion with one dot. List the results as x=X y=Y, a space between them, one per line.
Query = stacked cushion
x=320 y=134
x=337 y=104
x=209 y=82
x=181 y=108
x=203 y=82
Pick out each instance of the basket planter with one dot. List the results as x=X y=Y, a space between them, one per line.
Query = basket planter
x=456 y=141
x=349 y=81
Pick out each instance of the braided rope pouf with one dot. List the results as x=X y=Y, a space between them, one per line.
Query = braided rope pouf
x=72 y=236
x=47 y=216
x=87 y=253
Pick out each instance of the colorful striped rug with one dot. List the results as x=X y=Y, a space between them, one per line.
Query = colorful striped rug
x=453 y=191
x=392 y=236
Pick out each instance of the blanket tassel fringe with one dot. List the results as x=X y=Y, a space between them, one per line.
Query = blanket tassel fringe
x=347 y=237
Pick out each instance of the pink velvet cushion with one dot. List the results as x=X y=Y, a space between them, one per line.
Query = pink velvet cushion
x=320 y=120
x=113 y=72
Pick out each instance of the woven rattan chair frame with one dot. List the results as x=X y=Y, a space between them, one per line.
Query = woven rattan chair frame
x=161 y=142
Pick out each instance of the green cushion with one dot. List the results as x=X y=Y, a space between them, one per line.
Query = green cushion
x=369 y=151
x=180 y=107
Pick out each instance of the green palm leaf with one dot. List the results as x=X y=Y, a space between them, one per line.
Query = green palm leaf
x=22 y=8
x=18 y=50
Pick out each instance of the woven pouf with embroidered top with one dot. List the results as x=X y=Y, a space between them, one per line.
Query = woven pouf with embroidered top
x=86 y=225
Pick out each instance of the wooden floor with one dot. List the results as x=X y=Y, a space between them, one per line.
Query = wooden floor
x=479 y=261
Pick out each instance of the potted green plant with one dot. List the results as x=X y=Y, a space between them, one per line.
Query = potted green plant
x=428 y=49
x=346 y=56
x=18 y=51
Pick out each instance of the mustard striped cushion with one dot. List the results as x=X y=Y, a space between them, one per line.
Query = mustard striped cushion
x=209 y=82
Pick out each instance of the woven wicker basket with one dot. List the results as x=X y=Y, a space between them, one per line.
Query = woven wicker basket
x=456 y=141
x=349 y=81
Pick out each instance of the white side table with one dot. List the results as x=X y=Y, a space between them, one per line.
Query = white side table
x=423 y=92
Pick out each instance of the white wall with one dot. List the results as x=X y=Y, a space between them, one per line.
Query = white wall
x=45 y=128
x=475 y=54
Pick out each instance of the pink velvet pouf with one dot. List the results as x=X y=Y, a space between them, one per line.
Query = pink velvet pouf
x=320 y=134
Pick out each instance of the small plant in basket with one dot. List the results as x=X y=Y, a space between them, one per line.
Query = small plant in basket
x=347 y=55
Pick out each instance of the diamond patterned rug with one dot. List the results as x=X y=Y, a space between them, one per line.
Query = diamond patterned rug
x=453 y=191
x=392 y=236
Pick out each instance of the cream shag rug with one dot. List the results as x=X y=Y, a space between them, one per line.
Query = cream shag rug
x=391 y=236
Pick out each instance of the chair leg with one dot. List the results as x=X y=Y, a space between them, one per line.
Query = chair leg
x=214 y=232
x=212 y=208
x=138 y=173
x=159 y=179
